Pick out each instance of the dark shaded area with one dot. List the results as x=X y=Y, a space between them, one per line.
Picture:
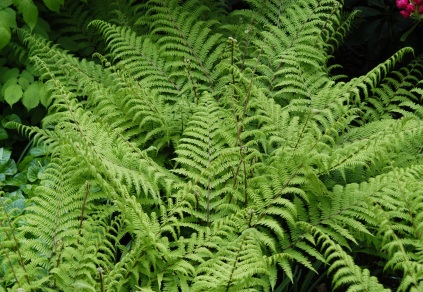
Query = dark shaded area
x=19 y=114
x=376 y=36
x=375 y=264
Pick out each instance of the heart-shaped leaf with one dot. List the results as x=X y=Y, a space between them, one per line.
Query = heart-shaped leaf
x=5 y=36
x=12 y=94
x=31 y=96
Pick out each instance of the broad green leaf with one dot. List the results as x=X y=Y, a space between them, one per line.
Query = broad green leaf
x=27 y=189
x=3 y=134
x=33 y=171
x=16 y=201
x=38 y=151
x=45 y=97
x=67 y=43
x=4 y=155
x=12 y=94
x=54 y=5
x=17 y=180
x=11 y=118
x=25 y=163
x=29 y=12
x=5 y=3
x=27 y=75
x=5 y=36
x=23 y=83
x=9 y=168
x=18 y=204
x=8 y=17
x=10 y=82
x=42 y=28
x=31 y=96
x=8 y=74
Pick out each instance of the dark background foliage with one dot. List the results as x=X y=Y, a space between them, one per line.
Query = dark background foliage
x=377 y=36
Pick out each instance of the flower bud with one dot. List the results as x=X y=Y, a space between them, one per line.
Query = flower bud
x=405 y=13
x=401 y=4
x=410 y=8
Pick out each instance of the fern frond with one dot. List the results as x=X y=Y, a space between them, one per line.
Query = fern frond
x=187 y=38
x=346 y=273
x=139 y=57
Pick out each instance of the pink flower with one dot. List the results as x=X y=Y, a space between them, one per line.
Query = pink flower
x=402 y=3
x=418 y=2
x=410 y=8
x=421 y=9
x=405 y=13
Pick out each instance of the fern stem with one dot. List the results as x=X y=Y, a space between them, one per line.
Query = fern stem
x=235 y=264
x=335 y=8
x=87 y=191
x=208 y=182
x=196 y=200
x=303 y=129
x=238 y=141
x=238 y=127
x=59 y=255
x=279 y=13
x=242 y=150
x=245 y=182
x=233 y=41
x=241 y=128
x=247 y=43
x=194 y=87
x=56 y=223
x=250 y=85
x=100 y=274
x=251 y=217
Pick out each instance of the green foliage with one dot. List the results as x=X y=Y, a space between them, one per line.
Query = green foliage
x=19 y=177
x=12 y=10
x=23 y=98
x=208 y=151
x=26 y=8
x=20 y=86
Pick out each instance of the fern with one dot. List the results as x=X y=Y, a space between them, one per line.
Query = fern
x=214 y=151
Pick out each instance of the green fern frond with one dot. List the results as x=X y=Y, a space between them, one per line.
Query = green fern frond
x=188 y=39
x=139 y=57
x=399 y=207
x=214 y=151
x=346 y=273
